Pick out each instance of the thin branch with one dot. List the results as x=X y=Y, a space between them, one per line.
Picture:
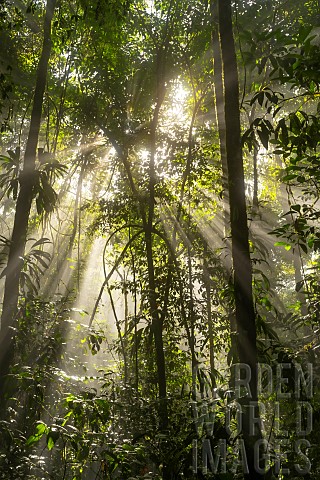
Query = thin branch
x=107 y=278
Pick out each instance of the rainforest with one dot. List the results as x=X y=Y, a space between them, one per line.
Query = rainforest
x=159 y=239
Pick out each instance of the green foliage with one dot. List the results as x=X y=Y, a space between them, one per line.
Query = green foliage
x=35 y=262
x=9 y=180
x=48 y=172
x=84 y=402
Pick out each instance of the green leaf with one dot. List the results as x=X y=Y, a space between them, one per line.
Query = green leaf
x=296 y=208
x=260 y=98
x=264 y=135
x=287 y=178
x=303 y=247
x=52 y=437
x=286 y=245
x=299 y=285
x=32 y=439
x=301 y=179
x=41 y=429
x=41 y=241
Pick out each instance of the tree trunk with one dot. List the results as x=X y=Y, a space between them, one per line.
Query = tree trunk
x=299 y=279
x=23 y=207
x=255 y=199
x=157 y=321
x=219 y=98
x=242 y=281
x=207 y=284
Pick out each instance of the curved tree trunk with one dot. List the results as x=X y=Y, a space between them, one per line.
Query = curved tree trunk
x=242 y=281
x=23 y=207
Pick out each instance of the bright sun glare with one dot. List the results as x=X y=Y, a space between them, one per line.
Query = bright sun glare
x=177 y=99
x=175 y=113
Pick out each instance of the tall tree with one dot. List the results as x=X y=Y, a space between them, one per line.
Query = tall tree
x=23 y=206
x=220 y=113
x=242 y=270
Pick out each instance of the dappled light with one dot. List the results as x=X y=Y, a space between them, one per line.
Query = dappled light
x=159 y=240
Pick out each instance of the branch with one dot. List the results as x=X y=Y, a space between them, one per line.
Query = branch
x=107 y=277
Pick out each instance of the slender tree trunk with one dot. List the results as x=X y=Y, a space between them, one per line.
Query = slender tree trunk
x=23 y=207
x=61 y=103
x=242 y=281
x=157 y=321
x=299 y=278
x=219 y=98
x=296 y=252
x=255 y=199
x=192 y=340
x=147 y=221
x=121 y=339
x=136 y=346
x=207 y=284
x=221 y=121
